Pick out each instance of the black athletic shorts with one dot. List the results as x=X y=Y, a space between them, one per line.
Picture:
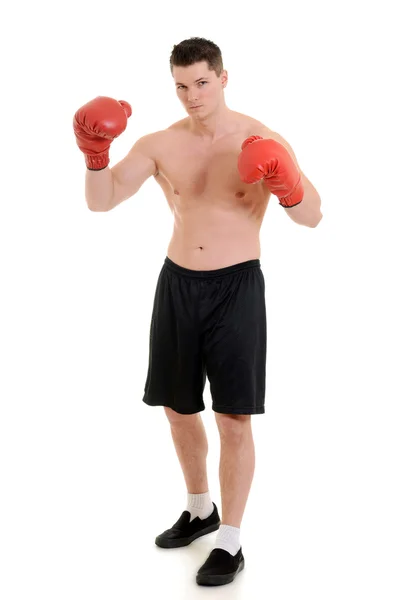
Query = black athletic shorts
x=208 y=324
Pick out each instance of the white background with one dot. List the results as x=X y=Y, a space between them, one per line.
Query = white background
x=88 y=472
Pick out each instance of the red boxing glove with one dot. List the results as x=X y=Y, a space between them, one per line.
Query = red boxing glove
x=267 y=159
x=96 y=125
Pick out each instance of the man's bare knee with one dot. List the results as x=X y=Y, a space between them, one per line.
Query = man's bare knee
x=176 y=418
x=232 y=426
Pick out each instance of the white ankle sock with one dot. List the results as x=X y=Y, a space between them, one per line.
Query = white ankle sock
x=199 y=505
x=228 y=538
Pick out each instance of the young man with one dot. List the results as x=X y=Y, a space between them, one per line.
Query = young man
x=217 y=169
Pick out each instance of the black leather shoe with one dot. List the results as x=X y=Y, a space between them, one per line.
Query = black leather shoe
x=220 y=567
x=184 y=532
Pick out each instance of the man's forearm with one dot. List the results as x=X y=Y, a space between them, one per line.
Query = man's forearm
x=99 y=189
x=308 y=212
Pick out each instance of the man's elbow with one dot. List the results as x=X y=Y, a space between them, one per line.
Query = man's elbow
x=98 y=208
x=312 y=224
x=317 y=221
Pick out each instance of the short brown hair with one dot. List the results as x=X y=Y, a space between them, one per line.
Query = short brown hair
x=196 y=49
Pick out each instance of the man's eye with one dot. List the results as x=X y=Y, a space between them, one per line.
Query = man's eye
x=180 y=87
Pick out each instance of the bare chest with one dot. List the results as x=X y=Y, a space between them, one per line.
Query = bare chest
x=193 y=171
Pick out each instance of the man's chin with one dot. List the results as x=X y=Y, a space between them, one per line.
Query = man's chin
x=197 y=115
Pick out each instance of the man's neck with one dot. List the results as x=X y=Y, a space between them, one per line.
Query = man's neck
x=214 y=126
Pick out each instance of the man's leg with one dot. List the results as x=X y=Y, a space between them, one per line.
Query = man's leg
x=191 y=445
x=237 y=465
x=235 y=359
x=200 y=516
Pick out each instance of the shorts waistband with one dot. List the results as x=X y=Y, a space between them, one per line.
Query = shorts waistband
x=248 y=264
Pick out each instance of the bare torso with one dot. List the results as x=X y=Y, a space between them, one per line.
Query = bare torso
x=217 y=217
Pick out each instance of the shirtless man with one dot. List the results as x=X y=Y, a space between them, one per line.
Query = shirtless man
x=209 y=316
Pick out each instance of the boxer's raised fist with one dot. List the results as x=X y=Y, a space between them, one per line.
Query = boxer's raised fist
x=267 y=159
x=96 y=124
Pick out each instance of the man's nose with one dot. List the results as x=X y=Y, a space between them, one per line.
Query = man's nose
x=193 y=95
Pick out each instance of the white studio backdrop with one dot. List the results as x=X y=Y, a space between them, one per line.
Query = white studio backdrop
x=88 y=473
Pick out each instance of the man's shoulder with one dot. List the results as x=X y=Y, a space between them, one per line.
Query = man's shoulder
x=254 y=126
x=163 y=135
x=150 y=143
x=181 y=125
x=247 y=126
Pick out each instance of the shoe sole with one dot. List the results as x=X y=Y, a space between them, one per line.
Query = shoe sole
x=178 y=543
x=219 y=579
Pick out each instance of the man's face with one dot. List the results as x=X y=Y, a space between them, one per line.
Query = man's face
x=198 y=88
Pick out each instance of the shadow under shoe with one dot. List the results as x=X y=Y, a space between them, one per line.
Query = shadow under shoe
x=184 y=531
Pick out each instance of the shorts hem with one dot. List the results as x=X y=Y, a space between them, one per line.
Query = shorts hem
x=250 y=410
x=177 y=409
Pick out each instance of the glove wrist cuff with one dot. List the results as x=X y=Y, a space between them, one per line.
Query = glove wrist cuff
x=294 y=198
x=97 y=162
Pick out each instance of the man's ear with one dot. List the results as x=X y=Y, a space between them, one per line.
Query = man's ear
x=224 y=78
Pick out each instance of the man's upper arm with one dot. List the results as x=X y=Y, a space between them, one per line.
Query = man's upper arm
x=133 y=170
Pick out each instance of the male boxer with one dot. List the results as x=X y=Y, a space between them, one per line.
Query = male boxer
x=217 y=169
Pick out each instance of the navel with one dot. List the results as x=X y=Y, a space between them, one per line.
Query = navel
x=239 y=194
